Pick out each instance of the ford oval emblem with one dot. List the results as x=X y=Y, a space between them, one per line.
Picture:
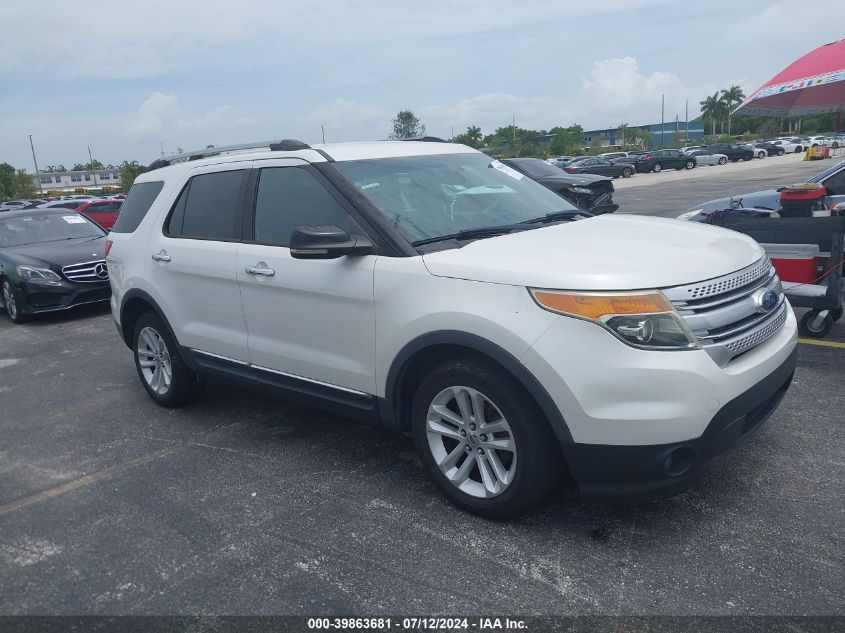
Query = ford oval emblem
x=766 y=301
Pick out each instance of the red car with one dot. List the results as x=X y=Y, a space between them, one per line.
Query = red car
x=102 y=212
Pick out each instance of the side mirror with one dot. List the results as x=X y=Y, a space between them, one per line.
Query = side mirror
x=327 y=242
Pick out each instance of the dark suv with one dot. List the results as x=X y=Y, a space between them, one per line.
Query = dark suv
x=661 y=159
x=733 y=151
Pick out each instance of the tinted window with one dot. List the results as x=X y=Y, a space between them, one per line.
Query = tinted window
x=138 y=202
x=534 y=167
x=289 y=197
x=207 y=207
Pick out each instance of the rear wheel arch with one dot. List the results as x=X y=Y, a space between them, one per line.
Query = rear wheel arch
x=431 y=350
x=135 y=304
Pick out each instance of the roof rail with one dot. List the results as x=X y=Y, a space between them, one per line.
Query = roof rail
x=425 y=139
x=286 y=145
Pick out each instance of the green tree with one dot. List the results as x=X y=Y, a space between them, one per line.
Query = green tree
x=129 y=171
x=7 y=176
x=22 y=185
x=622 y=131
x=711 y=110
x=730 y=97
x=407 y=125
x=471 y=137
x=567 y=140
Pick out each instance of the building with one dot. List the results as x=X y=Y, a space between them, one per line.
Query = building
x=610 y=137
x=70 y=181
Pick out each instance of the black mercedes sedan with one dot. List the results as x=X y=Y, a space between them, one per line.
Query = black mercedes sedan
x=50 y=259
x=585 y=191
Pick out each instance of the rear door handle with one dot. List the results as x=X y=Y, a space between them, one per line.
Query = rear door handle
x=260 y=269
x=161 y=256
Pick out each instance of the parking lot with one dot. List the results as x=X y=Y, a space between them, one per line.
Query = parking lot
x=245 y=505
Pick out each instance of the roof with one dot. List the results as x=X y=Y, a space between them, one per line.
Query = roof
x=17 y=213
x=316 y=154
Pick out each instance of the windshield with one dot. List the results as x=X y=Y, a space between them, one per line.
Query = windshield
x=45 y=227
x=431 y=196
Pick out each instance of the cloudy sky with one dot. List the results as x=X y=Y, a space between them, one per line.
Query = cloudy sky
x=127 y=78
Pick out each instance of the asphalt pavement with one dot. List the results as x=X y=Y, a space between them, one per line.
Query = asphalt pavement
x=241 y=504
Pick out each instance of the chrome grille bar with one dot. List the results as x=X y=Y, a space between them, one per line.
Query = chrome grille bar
x=87 y=272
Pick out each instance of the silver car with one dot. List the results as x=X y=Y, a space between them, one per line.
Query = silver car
x=706 y=157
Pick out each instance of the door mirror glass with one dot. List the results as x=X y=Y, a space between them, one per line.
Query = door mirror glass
x=327 y=242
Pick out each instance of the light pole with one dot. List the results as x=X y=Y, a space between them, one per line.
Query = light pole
x=662 y=124
x=37 y=173
x=93 y=171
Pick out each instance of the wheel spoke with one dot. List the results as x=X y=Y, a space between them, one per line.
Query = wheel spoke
x=487 y=477
x=461 y=475
x=444 y=430
x=499 y=469
x=500 y=444
x=452 y=458
x=478 y=407
x=447 y=414
x=462 y=398
x=495 y=427
x=146 y=362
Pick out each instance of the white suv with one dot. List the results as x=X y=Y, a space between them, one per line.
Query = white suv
x=432 y=289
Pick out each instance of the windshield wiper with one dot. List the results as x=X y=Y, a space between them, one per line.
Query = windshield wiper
x=566 y=214
x=471 y=234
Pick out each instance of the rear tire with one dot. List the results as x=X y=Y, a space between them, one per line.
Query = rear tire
x=689 y=164
x=723 y=160
x=657 y=168
x=448 y=409
x=780 y=152
x=627 y=173
x=160 y=367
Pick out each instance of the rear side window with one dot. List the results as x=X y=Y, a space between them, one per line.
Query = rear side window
x=139 y=200
x=207 y=207
x=289 y=197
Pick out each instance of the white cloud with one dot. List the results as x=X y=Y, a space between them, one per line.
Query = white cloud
x=152 y=115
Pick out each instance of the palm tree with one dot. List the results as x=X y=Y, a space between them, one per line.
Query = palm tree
x=711 y=109
x=622 y=131
x=731 y=96
x=473 y=133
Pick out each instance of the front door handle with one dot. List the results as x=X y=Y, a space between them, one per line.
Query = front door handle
x=260 y=269
x=161 y=256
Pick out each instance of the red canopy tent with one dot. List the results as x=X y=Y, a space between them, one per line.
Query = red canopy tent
x=812 y=84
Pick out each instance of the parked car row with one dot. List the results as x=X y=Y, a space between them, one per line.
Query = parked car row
x=101 y=209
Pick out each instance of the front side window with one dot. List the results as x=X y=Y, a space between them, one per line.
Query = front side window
x=207 y=207
x=432 y=196
x=289 y=197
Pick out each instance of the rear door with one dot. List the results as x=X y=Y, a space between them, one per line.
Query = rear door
x=311 y=319
x=103 y=213
x=192 y=261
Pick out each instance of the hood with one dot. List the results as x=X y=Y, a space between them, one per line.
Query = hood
x=58 y=254
x=769 y=198
x=627 y=252
x=568 y=180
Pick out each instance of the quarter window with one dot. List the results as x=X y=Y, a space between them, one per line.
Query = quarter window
x=289 y=197
x=207 y=207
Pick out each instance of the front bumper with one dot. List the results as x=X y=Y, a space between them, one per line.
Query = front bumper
x=652 y=472
x=40 y=298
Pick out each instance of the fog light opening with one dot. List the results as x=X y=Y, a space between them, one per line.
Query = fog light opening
x=679 y=461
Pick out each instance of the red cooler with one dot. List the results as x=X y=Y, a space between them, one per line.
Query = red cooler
x=797 y=263
x=802 y=201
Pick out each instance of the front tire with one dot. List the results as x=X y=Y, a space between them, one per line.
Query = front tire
x=657 y=168
x=723 y=160
x=163 y=373
x=483 y=439
x=13 y=302
x=689 y=164
x=780 y=152
x=627 y=173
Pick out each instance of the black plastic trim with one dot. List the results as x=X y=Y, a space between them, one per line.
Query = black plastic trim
x=483 y=346
x=137 y=293
x=302 y=391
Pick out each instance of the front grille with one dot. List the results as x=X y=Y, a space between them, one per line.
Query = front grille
x=725 y=313
x=87 y=272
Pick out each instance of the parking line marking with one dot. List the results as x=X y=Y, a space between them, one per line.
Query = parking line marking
x=117 y=469
x=809 y=341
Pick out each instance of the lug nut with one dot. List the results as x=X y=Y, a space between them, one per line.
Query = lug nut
x=463 y=433
x=481 y=451
x=472 y=426
x=483 y=438
x=467 y=448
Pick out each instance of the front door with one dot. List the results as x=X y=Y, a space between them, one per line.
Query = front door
x=313 y=319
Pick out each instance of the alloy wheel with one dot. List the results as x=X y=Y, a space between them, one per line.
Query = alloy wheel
x=154 y=361
x=9 y=301
x=471 y=442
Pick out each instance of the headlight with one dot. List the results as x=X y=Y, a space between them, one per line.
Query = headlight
x=38 y=275
x=579 y=190
x=640 y=319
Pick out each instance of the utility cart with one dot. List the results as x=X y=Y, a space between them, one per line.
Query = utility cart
x=808 y=254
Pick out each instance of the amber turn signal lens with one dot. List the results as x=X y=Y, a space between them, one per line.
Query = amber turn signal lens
x=595 y=306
